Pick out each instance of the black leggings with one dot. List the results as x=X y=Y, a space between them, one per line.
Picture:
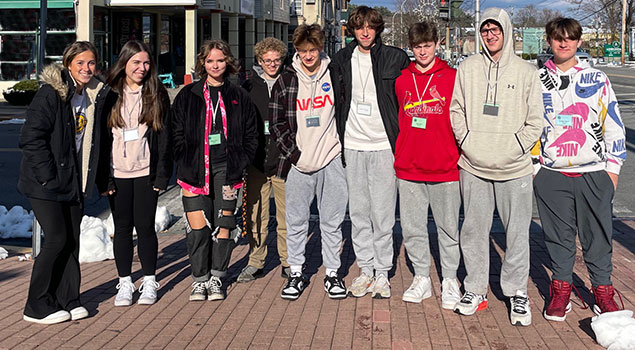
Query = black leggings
x=56 y=278
x=134 y=205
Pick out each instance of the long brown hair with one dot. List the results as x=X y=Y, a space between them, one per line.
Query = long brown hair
x=152 y=94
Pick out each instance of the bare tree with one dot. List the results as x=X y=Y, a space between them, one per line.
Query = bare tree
x=609 y=10
x=531 y=16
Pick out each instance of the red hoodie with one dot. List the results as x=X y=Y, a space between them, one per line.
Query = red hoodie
x=426 y=149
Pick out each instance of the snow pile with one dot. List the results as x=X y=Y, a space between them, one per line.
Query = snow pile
x=17 y=121
x=615 y=330
x=94 y=242
x=3 y=253
x=15 y=223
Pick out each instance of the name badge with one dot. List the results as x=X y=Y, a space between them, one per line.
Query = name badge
x=313 y=121
x=266 y=127
x=490 y=109
x=564 y=120
x=214 y=139
x=364 y=108
x=419 y=123
x=131 y=134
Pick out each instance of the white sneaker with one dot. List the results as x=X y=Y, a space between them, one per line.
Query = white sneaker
x=124 y=295
x=450 y=293
x=214 y=291
x=421 y=288
x=381 y=287
x=56 y=317
x=148 y=291
x=78 y=313
x=360 y=286
x=520 y=313
x=470 y=303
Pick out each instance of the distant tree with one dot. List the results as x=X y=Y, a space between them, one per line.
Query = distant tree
x=609 y=10
x=531 y=16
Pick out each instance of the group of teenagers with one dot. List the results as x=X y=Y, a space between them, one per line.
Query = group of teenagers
x=350 y=131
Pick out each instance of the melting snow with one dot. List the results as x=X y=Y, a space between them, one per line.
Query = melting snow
x=615 y=330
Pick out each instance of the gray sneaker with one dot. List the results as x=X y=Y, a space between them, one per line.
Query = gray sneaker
x=248 y=274
x=199 y=291
x=214 y=291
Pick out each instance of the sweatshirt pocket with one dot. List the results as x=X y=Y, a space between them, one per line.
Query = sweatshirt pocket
x=489 y=150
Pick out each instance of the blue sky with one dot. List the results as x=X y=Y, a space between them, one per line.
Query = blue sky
x=561 y=5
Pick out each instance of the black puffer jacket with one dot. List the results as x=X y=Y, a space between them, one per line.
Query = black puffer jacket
x=51 y=168
x=267 y=156
x=388 y=61
x=159 y=142
x=188 y=130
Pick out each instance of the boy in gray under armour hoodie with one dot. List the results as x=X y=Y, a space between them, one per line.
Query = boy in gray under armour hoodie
x=496 y=117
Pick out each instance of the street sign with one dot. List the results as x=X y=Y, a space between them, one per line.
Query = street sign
x=613 y=49
x=532 y=40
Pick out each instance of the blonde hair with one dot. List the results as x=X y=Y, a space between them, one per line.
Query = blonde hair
x=270 y=44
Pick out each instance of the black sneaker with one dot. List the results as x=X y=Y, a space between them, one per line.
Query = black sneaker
x=334 y=286
x=294 y=287
x=286 y=272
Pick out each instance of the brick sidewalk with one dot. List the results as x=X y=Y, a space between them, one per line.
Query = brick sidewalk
x=255 y=317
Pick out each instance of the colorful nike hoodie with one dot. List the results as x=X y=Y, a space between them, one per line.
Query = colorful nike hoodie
x=426 y=149
x=583 y=129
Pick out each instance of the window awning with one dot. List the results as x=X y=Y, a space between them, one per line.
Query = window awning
x=35 y=4
x=150 y=2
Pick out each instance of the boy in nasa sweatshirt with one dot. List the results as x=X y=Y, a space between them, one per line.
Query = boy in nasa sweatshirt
x=303 y=125
x=426 y=158
x=581 y=151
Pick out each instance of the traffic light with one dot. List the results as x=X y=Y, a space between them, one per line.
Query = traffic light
x=444 y=9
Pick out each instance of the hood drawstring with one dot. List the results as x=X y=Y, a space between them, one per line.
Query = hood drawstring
x=489 y=72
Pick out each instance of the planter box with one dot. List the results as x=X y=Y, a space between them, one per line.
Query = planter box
x=19 y=98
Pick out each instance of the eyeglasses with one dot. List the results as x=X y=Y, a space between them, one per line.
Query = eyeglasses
x=269 y=62
x=312 y=51
x=496 y=31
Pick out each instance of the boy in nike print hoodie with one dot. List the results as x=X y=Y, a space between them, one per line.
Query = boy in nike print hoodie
x=581 y=151
x=426 y=158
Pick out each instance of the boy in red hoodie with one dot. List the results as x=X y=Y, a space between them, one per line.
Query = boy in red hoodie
x=425 y=164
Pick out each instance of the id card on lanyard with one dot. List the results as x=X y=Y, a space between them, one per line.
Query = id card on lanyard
x=420 y=122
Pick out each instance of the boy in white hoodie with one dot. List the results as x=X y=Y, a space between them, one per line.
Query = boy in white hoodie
x=582 y=149
x=303 y=125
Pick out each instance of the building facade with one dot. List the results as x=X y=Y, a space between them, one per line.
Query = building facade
x=174 y=29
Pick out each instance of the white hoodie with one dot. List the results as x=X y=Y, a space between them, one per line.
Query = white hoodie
x=583 y=129
x=318 y=145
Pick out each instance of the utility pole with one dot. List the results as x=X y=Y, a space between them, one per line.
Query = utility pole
x=623 y=36
x=448 y=52
x=42 y=48
x=477 y=35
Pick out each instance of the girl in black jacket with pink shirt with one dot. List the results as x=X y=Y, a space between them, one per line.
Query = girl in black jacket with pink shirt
x=215 y=139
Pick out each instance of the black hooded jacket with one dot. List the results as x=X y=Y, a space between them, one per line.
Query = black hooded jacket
x=388 y=61
x=188 y=132
x=51 y=169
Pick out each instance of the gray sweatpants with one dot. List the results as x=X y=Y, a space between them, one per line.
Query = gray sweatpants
x=329 y=185
x=445 y=200
x=372 y=191
x=513 y=202
x=577 y=204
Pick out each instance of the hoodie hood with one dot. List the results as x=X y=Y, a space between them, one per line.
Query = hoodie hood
x=438 y=66
x=580 y=65
x=302 y=76
x=59 y=79
x=502 y=18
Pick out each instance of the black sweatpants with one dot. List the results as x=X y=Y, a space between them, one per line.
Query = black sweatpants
x=134 y=205
x=577 y=204
x=208 y=257
x=56 y=278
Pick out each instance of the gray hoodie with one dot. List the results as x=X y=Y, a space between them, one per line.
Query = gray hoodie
x=497 y=147
x=319 y=143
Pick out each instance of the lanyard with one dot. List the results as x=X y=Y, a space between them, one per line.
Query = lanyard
x=420 y=97
x=362 y=81
x=557 y=88
x=129 y=111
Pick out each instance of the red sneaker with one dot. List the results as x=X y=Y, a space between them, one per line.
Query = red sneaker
x=559 y=306
x=604 y=299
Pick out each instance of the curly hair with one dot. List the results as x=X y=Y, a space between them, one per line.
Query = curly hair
x=362 y=15
x=233 y=66
x=270 y=44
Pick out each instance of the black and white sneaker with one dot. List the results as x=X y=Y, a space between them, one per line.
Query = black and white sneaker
x=334 y=286
x=294 y=287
